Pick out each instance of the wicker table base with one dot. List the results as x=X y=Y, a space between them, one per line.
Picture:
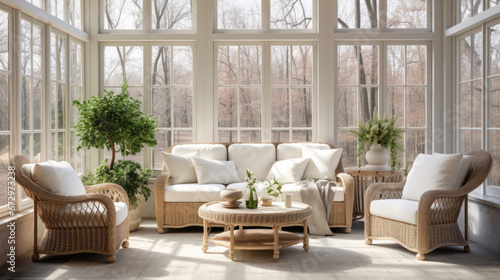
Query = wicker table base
x=275 y=216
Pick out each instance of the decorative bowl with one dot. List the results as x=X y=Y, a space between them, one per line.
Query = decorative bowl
x=231 y=195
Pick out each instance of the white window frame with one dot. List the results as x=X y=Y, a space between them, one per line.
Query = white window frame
x=265 y=17
x=147 y=24
x=266 y=106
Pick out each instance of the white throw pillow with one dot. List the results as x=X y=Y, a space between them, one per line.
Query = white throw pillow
x=288 y=170
x=465 y=164
x=323 y=163
x=431 y=172
x=209 y=171
x=294 y=150
x=180 y=168
x=210 y=151
x=256 y=157
x=57 y=177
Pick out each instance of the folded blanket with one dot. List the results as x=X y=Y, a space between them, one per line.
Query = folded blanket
x=318 y=193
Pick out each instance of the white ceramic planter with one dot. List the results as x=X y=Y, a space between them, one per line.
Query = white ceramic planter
x=134 y=216
x=376 y=157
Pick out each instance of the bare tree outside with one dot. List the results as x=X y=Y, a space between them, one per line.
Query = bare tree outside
x=239 y=14
x=291 y=14
x=4 y=104
x=171 y=14
x=123 y=14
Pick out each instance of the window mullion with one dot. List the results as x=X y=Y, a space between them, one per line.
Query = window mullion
x=382 y=12
x=266 y=15
x=147 y=94
x=266 y=134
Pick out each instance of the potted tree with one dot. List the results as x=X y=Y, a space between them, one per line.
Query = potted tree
x=116 y=122
x=380 y=134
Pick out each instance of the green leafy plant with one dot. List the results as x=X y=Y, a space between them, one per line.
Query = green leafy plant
x=117 y=123
x=273 y=187
x=380 y=131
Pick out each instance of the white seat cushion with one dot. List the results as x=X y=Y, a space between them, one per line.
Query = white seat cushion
x=209 y=171
x=180 y=168
x=193 y=192
x=294 y=150
x=432 y=172
x=256 y=157
x=121 y=212
x=294 y=190
x=402 y=210
x=288 y=170
x=322 y=163
x=210 y=151
x=56 y=177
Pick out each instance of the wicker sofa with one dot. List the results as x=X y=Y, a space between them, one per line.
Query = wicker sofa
x=177 y=205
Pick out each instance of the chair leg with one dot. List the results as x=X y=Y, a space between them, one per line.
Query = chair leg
x=347 y=230
x=35 y=257
x=467 y=248
x=111 y=259
x=161 y=230
x=368 y=241
x=420 y=257
x=125 y=244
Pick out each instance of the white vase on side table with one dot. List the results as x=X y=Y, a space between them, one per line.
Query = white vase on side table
x=376 y=157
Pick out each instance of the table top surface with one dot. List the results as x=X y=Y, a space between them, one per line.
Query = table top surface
x=214 y=211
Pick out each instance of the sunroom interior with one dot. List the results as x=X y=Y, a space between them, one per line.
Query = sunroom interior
x=252 y=71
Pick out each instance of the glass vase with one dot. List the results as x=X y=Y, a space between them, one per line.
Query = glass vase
x=252 y=201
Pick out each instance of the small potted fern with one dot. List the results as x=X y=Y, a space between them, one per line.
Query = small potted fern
x=380 y=134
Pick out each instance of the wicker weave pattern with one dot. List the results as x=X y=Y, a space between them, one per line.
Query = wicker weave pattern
x=76 y=224
x=182 y=214
x=437 y=213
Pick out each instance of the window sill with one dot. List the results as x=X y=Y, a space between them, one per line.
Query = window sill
x=485 y=199
x=19 y=215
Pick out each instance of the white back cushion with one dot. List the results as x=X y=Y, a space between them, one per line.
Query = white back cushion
x=209 y=171
x=180 y=168
x=322 y=162
x=294 y=150
x=431 y=172
x=464 y=169
x=210 y=151
x=57 y=177
x=288 y=170
x=257 y=157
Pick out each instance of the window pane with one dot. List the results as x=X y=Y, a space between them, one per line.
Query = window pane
x=348 y=141
x=250 y=107
x=26 y=100
x=291 y=14
x=301 y=135
x=347 y=65
x=75 y=13
x=416 y=71
x=227 y=65
x=183 y=136
x=396 y=104
x=4 y=40
x=182 y=66
x=113 y=66
x=162 y=106
x=368 y=65
x=494 y=103
x=406 y=14
x=465 y=105
x=366 y=18
x=280 y=107
x=415 y=143
x=25 y=47
x=171 y=14
x=494 y=3
x=470 y=8
x=250 y=65
x=367 y=102
x=228 y=135
x=347 y=107
x=280 y=65
x=250 y=136
x=415 y=107
x=239 y=14
x=61 y=59
x=228 y=107
x=134 y=66
x=477 y=56
x=301 y=107
x=37 y=51
x=465 y=59
x=494 y=150
x=302 y=62
x=161 y=65
x=280 y=135
x=470 y=140
x=123 y=14
x=4 y=165
x=494 y=50
x=476 y=103
x=164 y=139
x=37 y=104
x=4 y=103
x=395 y=65
x=183 y=107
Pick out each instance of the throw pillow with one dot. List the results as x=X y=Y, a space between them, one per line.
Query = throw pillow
x=209 y=171
x=322 y=163
x=431 y=172
x=57 y=177
x=288 y=170
x=180 y=168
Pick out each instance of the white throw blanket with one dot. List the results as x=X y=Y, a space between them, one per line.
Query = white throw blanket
x=318 y=193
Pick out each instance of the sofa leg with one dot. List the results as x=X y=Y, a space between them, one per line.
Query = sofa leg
x=368 y=241
x=420 y=257
x=348 y=230
x=161 y=230
x=125 y=244
x=111 y=259
x=467 y=249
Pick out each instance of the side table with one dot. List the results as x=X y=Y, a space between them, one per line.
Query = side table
x=363 y=178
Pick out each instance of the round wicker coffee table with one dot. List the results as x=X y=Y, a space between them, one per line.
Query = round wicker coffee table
x=275 y=216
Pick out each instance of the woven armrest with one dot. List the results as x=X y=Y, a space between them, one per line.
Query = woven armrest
x=160 y=183
x=113 y=191
x=440 y=206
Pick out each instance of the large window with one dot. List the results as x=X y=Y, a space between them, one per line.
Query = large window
x=257 y=103
x=76 y=92
x=5 y=128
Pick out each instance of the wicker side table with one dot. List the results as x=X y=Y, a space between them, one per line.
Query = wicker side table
x=363 y=178
x=275 y=216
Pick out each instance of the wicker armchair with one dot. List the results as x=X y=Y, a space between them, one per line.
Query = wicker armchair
x=437 y=214
x=76 y=224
